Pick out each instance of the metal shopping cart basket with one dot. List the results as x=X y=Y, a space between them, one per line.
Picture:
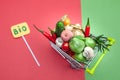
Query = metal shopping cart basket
x=77 y=65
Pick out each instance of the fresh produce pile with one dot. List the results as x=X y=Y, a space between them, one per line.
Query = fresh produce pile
x=77 y=42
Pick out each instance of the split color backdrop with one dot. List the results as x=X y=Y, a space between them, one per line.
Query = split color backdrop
x=16 y=62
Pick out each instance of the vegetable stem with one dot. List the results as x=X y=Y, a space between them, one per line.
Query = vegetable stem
x=88 y=24
x=38 y=29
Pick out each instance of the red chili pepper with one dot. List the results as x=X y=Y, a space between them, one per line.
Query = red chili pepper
x=87 y=29
x=47 y=35
x=54 y=36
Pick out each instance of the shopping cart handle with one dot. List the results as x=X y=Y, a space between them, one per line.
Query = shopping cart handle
x=92 y=70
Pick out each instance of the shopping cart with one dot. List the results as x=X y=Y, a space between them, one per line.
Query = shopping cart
x=77 y=65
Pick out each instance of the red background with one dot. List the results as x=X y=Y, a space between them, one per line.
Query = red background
x=16 y=62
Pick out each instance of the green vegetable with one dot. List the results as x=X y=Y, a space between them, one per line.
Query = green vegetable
x=79 y=57
x=90 y=42
x=79 y=37
x=59 y=28
x=76 y=45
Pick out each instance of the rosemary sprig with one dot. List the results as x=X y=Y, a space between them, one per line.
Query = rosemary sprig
x=102 y=42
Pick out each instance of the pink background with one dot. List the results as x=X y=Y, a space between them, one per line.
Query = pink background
x=16 y=62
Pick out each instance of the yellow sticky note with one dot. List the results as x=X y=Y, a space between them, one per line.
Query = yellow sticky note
x=19 y=30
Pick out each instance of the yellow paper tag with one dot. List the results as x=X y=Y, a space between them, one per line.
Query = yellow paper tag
x=20 y=30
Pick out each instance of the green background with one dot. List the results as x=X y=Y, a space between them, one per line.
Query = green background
x=104 y=19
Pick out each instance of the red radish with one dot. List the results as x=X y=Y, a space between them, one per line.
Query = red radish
x=65 y=46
